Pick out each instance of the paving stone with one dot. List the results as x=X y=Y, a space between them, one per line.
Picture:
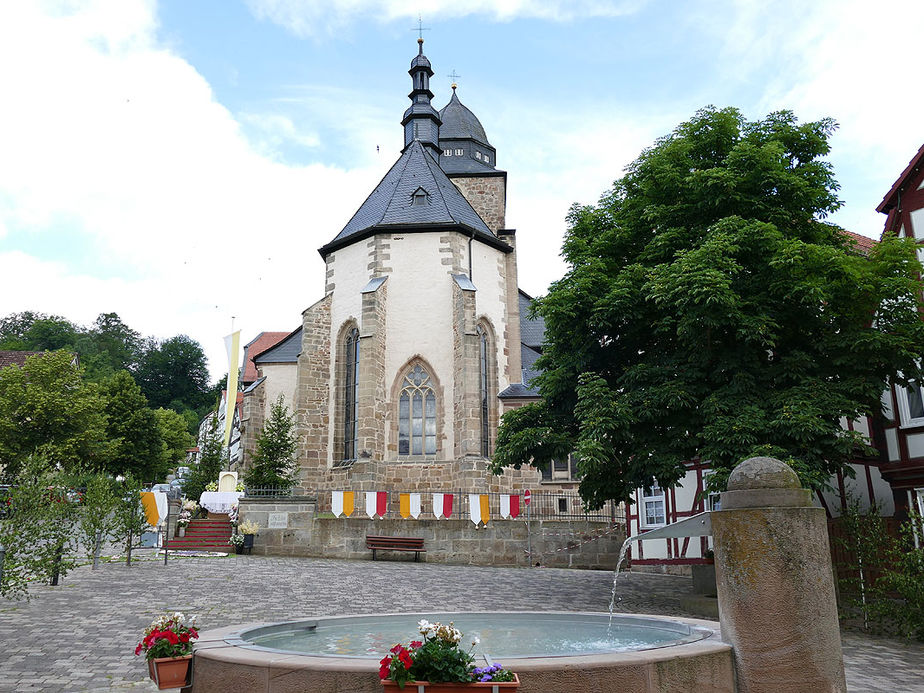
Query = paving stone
x=80 y=636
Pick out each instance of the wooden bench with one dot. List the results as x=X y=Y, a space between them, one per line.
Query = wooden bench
x=415 y=544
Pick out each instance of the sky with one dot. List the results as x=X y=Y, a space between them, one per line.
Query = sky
x=179 y=162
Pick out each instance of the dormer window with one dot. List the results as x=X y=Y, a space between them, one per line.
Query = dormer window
x=487 y=160
x=420 y=197
x=447 y=152
x=460 y=152
x=478 y=155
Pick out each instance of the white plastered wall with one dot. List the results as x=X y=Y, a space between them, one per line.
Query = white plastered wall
x=490 y=303
x=281 y=379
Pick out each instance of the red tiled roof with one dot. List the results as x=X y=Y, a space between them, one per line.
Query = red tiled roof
x=262 y=342
x=890 y=201
x=16 y=358
x=863 y=244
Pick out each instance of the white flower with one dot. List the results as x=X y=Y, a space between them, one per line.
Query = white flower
x=476 y=640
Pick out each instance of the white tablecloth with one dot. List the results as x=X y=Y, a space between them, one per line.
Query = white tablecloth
x=219 y=501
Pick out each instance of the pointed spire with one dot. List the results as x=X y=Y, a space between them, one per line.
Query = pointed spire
x=421 y=121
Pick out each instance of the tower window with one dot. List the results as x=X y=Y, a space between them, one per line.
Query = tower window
x=460 y=152
x=447 y=152
x=478 y=155
x=487 y=159
x=417 y=414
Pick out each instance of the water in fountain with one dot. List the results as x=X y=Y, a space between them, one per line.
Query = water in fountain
x=623 y=550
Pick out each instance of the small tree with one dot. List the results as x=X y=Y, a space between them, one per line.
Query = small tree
x=130 y=520
x=274 y=460
x=97 y=521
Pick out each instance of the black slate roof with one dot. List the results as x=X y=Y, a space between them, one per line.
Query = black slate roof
x=389 y=206
x=286 y=351
x=532 y=330
x=460 y=123
x=455 y=165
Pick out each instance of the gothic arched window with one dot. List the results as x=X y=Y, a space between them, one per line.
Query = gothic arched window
x=417 y=414
x=483 y=365
x=350 y=393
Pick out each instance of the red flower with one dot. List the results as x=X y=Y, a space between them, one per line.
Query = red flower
x=138 y=649
x=415 y=644
x=184 y=637
x=171 y=637
x=405 y=659
x=396 y=649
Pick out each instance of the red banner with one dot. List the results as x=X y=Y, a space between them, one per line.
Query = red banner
x=514 y=506
x=447 y=505
x=381 y=503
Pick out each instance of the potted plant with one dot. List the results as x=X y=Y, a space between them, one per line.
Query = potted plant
x=237 y=541
x=167 y=645
x=437 y=664
x=248 y=528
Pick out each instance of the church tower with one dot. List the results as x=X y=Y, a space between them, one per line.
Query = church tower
x=401 y=362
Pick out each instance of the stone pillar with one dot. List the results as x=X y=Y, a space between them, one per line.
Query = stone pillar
x=775 y=583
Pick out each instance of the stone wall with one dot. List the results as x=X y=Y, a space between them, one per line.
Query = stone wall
x=553 y=543
x=487 y=195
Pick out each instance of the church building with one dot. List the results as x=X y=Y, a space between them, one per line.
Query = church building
x=399 y=374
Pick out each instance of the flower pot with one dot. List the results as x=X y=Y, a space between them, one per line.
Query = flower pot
x=248 y=542
x=170 y=672
x=238 y=549
x=427 y=687
x=181 y=531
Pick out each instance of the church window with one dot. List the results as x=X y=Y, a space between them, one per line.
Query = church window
x=483 y=361
x=351 y=392
x=417 y=414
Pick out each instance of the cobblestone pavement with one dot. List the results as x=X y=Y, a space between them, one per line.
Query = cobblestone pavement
x=80 y=636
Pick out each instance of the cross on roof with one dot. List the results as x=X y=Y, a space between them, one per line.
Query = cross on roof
x=454 y=77
x=420 y=28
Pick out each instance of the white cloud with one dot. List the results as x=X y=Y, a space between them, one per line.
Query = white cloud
x=320 y=17
x=108 y=134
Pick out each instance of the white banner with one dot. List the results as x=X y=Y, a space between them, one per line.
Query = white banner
x=438 y=505
x=370 y=504
x=474 y=507
x=505 y=505
x=415 y=505
x=336 y=503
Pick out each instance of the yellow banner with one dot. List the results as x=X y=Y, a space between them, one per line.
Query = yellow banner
x=405 y=505
x=348 y=503
x=485 y=510
x=150 y=508
x=233 y=345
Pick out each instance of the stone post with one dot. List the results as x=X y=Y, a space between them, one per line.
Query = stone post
x=775 y=583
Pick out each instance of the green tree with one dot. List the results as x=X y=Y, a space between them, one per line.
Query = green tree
x=274 y=460
x=211 y=461
x=709 y=312
x=174 y=374
x=134 y=430
x=109 y=346
x=175 y=437
x=97 y=520
x=48 y=410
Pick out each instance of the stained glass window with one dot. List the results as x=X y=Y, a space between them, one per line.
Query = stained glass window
x=350 y=394
x=417 y=414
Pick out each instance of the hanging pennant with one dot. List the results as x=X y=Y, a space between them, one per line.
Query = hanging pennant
x=442 y=505
x=514 y=506
x=370 y=504
x=404 y=505
x=505 y=506
x=341 y=503
x=485 y=511
x=415 y=505
x=478 y=508
x=381 y=503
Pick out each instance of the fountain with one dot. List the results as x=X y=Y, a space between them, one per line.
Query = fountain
x=776 y=600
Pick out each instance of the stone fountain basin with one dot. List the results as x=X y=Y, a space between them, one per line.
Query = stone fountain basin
x=223 y=661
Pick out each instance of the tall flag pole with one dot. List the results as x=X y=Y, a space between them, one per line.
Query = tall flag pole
x=233 y=346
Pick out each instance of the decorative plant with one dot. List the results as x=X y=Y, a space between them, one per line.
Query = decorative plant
x=211 y=486
x=192 y=506
x=184 y=519
x=240 y=487
x=248 y=527
x=437 y=659
x=233 y=515
x=170 y=635
x=236 y=540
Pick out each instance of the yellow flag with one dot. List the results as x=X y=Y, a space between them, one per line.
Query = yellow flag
x=348 y=503
x=485 y=511
x=150 y=508
x=233 y=345
x=405 y=505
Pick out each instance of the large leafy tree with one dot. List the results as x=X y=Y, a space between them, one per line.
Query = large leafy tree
x=175 y=436
x=174 y=374
x=134 y=430
x=710 y=312
x=48 y=410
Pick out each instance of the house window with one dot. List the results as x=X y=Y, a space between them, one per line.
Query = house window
x=911 y=404
x=417 y=414
x=653 y=514
x=483 y=391
x=711 y=499
x=351 y=391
